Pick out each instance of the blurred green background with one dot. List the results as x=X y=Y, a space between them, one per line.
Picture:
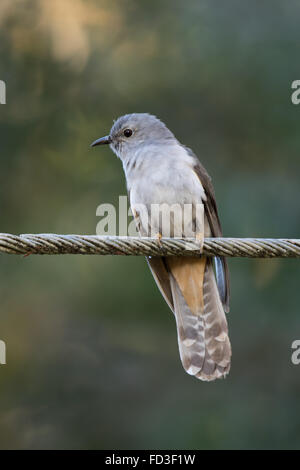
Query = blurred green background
x=92 y=357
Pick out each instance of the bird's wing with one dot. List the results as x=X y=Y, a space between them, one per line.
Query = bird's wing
x=161 y=275
x=211 y=211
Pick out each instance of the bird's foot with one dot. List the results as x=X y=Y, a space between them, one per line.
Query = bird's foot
x=200 y=241
x=158 y=237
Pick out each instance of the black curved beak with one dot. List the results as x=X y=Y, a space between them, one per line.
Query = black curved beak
x=102 y=141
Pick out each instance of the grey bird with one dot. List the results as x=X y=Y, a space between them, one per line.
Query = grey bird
x=160 y=170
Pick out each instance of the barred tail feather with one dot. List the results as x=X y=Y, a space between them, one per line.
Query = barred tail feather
x=190 y=332
x=204 y=345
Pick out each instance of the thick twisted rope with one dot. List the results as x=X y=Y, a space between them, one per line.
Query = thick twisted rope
x=52 y=244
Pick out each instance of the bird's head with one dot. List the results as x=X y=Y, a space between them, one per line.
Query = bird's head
x=132 y=132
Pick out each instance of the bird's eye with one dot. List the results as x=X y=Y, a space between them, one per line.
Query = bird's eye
x=127 y=132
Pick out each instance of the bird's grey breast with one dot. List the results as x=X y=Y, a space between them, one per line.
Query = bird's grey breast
x=158 y=174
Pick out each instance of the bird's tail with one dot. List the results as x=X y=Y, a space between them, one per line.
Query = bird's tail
x=203 y=340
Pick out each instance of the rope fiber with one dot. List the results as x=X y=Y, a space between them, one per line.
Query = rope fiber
x=53 y=244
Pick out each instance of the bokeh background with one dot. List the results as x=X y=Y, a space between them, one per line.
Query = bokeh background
x=92 y=358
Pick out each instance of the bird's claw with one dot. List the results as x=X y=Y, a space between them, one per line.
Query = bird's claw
x=200 y=241
x=158 y=237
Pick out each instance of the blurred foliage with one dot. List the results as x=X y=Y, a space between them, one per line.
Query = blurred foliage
x=91 y=346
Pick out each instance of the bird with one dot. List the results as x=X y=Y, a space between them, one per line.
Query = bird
x=160 y=170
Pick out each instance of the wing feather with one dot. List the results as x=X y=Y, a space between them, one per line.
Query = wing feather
x=212 y=215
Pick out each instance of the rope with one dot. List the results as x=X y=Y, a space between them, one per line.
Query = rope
x=52 y=244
